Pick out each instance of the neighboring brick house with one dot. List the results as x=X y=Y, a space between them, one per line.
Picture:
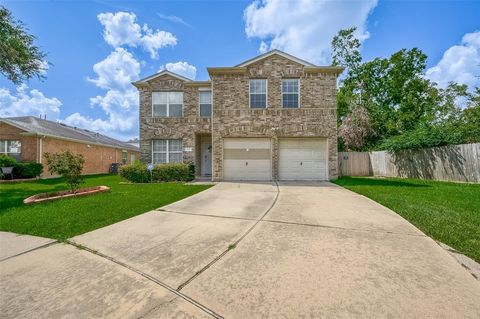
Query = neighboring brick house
x=271 y=117
x=28 y=138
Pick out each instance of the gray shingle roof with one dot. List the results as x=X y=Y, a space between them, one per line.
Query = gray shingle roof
x=39 y=126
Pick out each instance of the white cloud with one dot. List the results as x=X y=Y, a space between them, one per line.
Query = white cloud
x=304 y=28
x=25 y=102
x=117 y=70
x=120 y=102
x=121 y=29
x=174 y=19
x=121 y=107
x=460 y=63
x=182 y=68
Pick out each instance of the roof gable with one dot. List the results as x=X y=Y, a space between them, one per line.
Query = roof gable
x=275 y=52
x=161 y=73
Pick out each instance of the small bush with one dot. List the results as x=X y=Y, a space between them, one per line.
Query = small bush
x=174 y=172
x=7 y=161
x=135 y=173
x=68 y=165
x=177 y=172
x=27 y=170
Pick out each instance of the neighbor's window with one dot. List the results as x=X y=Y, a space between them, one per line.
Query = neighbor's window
x=290 y=93
x=205 y=98
x=167 y=104
x=124 y=156
x=167 y=151
x=11 y=148
x=258 y=94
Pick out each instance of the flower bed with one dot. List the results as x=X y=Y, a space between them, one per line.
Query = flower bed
x=45 y=197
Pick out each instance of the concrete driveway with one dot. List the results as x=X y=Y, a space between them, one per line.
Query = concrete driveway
x=242 y=250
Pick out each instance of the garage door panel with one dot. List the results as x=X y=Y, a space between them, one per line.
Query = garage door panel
x=303 y=159
x=247 y=159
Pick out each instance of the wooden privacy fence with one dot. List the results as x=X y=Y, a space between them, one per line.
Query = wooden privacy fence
x=447 y=163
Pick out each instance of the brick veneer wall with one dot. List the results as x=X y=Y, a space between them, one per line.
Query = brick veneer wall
x=184 y=128
x=97 y=157
x=29 y=143
x=316 y=117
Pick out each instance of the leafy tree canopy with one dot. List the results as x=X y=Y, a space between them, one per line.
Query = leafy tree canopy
x=404 y=109
x=20 y=59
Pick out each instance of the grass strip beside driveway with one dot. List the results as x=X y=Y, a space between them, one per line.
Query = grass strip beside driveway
x=66 y=218
x=447 y=212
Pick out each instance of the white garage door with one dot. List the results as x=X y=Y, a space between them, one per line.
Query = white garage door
x=247 y=159
x=303 y=159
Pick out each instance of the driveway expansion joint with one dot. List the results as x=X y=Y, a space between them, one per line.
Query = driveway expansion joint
x=340 y=228
x=206 y=215
x=149 y=277
x=234 y=244
x=53 y=242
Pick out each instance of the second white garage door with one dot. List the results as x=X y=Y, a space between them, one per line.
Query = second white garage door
x=247 y=159
x=302 y=159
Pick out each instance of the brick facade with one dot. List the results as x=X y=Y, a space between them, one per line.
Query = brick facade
x=97 y=157
x=186 y=127
x=232 y=116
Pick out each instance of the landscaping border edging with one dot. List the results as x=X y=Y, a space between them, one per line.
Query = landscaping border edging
x=46 y=197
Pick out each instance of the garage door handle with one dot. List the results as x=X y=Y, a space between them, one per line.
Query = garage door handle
x=301 y=163
x=246 y=163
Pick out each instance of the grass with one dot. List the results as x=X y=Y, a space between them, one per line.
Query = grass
x=66 y=218
x=447 y=212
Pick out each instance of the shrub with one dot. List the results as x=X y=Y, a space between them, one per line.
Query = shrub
x=68 y=165
x=27 y=170
x=174 y=172
x=7 y=161
x=135 y=173
x=171 y=172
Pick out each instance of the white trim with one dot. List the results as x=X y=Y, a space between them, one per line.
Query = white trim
x=298 y=93
x=167 y=151
x=266 y=94
x=270 y=53
x=164 y=72
x=168 y=103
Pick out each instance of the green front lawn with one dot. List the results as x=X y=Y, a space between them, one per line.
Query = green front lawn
x=65 y=218
x=447 y=212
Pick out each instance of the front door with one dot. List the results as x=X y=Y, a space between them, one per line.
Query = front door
x=207 y=158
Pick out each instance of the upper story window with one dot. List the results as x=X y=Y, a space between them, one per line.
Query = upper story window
x=167 y=104
x=11 y=148
x=258 y=93
x=290 y=93
x=205 y=98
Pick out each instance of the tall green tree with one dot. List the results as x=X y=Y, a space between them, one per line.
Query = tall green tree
x=405 y=110
x=20 y=58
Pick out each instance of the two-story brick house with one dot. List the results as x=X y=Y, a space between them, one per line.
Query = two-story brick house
x=271 y=117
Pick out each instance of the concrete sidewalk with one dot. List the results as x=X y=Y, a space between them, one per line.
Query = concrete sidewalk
x=246 y=250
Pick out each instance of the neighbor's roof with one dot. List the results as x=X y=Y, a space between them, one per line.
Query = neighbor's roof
x=36 y=126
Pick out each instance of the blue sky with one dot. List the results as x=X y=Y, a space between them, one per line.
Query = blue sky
x=188 y=36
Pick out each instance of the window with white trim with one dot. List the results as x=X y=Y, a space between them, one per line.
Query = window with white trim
x=12 y=148
x=167 y=151
x=167 y=104
x=205 y=98
x=124 y=156
x=290 y=93
x=258 y=93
